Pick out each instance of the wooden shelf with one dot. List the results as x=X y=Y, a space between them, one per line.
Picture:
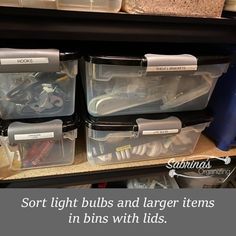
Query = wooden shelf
x=81 y=168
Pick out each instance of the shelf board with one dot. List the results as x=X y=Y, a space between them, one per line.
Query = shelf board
x=38 y=24
x=85 y=171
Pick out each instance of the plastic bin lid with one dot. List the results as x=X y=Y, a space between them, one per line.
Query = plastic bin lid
x=69 y=123
x=33 y=60
x=67 y=56
x=129 y=123
x=142 y=61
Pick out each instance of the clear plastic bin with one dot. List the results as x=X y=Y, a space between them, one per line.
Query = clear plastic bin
x=151 y=84
x=128 y=139
x=206 y=178
x=230 y=5
x=9 y=3
x=90 y=5
x=202 y=8
x=163 y=181
x=37 y=83
x=72 y=5
x=38 y=145
x=47 y=4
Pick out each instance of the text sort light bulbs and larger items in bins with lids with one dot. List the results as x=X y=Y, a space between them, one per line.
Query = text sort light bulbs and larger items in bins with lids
x=151 y=84
x=72 y=5
x=37 y=83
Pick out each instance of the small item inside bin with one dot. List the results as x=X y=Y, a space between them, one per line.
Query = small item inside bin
x=35 y=95
x=37 y=153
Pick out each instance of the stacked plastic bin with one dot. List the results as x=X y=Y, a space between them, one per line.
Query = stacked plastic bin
x=230 y=5
x=147 y=107
x=74 y=5
x=37 y=107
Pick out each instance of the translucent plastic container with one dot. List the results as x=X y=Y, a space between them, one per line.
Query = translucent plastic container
x=163 y=181
x=230 y=5
x=37 y=83
x=131 y=138
x=9 y=3
x=48 y=4
x=194 y=8
x=37 y=145
x=151 y=84
x=206 y=178
x=90 y=5
x=71 y=5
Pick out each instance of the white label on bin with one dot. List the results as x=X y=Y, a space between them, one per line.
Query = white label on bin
x=172 y=68
x=165 y=63
x=24 y=61
x=166 y=131
x=35 y=136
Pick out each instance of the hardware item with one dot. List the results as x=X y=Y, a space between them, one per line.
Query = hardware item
x=146 y=93
x=20 y=94
x=184 y=97
x=34 y=95
x=117 y=101
x=160 y=147
x=105 y=105
x=47 y=102
x=37 y=153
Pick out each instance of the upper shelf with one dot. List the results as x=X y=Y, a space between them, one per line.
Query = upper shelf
x=22 y=23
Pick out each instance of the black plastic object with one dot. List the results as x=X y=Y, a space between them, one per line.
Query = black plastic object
x=68 y=56
x=128 y=123
x=142 y=61
x=69 y=123
x=120 y=27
